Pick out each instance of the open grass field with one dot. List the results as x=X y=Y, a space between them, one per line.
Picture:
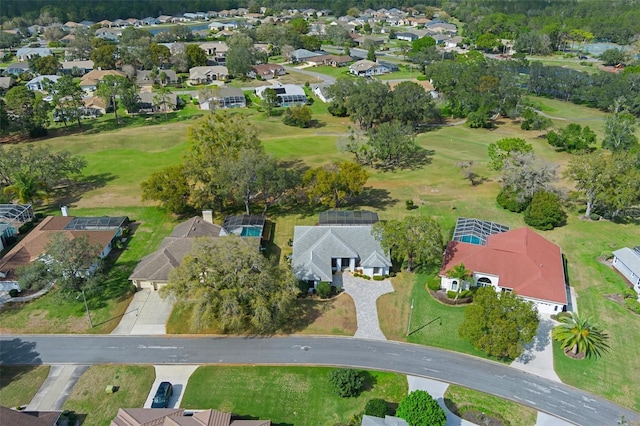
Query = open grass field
x=19 y=384
x=515 y=414
x=285 y=395
x=95 y=407
x=54 y=314
x=438 y=190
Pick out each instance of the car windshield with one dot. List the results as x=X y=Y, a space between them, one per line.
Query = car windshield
x=158 y=399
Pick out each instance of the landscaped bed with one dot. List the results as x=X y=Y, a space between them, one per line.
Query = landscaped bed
x=285 y=395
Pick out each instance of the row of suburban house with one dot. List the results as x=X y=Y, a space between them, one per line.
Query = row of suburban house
x=508 y=260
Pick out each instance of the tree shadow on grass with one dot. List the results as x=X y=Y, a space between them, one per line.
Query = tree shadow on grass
x=421 y=158
x=249 y=417
x=369 y=382
x=73 y=191
x=375 y=198
x=304 y=312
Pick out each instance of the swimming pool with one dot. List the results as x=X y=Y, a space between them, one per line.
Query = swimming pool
x=471 y=239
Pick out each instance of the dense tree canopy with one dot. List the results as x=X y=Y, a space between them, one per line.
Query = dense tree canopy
x=572 y=138
x=416 y=240
x=499 y=323
x=233 y=287
x=335 y=184
x=169 y=187
x=27 y=111
x=502 y=149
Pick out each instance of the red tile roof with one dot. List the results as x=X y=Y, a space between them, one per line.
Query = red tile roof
x=525 y=262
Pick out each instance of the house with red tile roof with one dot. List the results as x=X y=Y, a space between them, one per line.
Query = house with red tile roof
x=518 y=260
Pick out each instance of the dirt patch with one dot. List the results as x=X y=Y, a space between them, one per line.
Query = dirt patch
x=478 y=417
x=571 y=355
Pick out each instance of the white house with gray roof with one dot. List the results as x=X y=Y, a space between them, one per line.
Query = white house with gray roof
x=320 y=251
x=627 y=262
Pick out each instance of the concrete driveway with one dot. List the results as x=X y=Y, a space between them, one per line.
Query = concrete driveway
x=147 y=314
x=178 y=376
x=364 y=294
x=537 y=357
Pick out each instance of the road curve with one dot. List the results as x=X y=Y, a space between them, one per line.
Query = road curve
x=563 y=401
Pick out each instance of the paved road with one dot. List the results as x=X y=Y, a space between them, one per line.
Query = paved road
x=542 y=394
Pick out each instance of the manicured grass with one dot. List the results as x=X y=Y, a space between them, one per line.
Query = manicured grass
x=310 y=316
x=19 y=384
x=54 y=314
x=572 y=63
x=285 y=395
x=402 y=74
x=90 y=402
x=514 y=413
x=335 y=72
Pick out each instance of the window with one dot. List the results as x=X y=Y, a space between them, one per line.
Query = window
x=483 y=282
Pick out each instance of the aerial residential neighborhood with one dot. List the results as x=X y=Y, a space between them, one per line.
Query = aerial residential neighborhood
x=224 y=213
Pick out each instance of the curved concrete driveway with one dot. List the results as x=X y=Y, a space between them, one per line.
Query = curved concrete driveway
x=571 y=404
x=364 y=294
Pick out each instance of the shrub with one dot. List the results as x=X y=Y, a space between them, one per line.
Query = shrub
x=346 y=382
x=630 y=293
x=324 y=290
x=376 y=407
x=14 y=292
x=378 y=278
x=633 y=305
x=420 y=409
x=545 y=211
x=509 y=199
x=434 y=284
x=452 y=294
x=366 y=277
x=298 y=116
x=594 y=216
x=303 y=286
x=409 y=204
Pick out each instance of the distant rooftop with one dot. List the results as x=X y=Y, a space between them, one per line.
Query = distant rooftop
x=347 y=217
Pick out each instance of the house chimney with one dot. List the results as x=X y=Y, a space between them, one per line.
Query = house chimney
x=64 y=210
x=207 y=215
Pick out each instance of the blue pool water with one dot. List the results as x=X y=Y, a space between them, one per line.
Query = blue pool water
x=251 y=232
x=471 y=239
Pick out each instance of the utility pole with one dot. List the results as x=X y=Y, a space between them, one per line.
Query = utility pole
x=87 y=308
x=410 y=314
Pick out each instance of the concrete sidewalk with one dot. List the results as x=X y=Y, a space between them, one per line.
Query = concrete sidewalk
x=56 y=388
x=147 y=314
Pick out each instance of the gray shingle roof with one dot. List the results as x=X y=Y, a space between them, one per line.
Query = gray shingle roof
x=315 y=246
x=630 y=258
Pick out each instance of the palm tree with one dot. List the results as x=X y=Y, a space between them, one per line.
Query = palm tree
x=580 y=336
x=26 y=187
x=460 y=273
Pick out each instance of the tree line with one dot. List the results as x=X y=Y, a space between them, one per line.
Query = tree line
x=227 y=167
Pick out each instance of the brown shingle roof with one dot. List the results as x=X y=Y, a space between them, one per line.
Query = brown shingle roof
x=28 y=418
x=176 y=417
x=33 y=244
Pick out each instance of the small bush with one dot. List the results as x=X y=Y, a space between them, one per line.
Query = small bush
x=510 y=200
x=14 y=292
x=324 y=290
x=376 y=407
x=594 y=216
x=392 y=274
x=434 y=284
x=630 y=293
x=303 y=286
x=365 y=277
x=419 y=408
x=633 y=305
x=378 y=278
x=452 y=294
x=409 y=204
x=346 y=382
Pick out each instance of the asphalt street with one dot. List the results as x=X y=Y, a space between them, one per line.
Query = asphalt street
x=563 y=401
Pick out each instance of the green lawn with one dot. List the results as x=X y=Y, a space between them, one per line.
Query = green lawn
x=119 y=160
x=285 y=395
x=19 y=384
x=95 y=407
x=572 y=63
x=54 y=314
x=514 y=413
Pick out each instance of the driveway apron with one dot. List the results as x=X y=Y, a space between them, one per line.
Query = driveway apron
x=364 y=294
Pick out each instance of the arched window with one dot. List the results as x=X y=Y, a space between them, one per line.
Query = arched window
x=483 y=282
x=454 y=285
